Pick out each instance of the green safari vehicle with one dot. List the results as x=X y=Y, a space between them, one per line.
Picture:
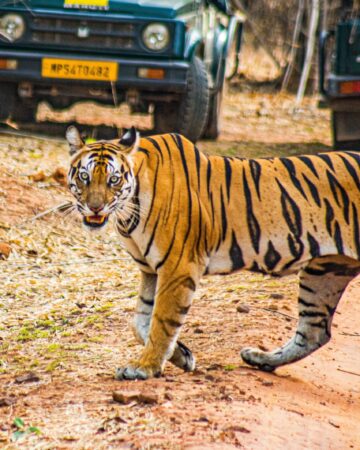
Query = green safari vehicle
x=339 y=69
x=160 y=56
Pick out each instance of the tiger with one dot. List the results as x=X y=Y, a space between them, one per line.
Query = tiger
x=182 y=214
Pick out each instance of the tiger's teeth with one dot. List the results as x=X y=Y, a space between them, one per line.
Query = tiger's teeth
x=96 y=219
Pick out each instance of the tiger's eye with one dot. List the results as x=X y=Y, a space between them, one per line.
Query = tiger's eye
x=84 y=176
x=114 y=179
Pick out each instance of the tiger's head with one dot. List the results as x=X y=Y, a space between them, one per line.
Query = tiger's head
x=101 y=176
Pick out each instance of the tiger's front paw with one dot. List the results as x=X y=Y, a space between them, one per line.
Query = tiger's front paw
x=135 y=371
x=258 y=358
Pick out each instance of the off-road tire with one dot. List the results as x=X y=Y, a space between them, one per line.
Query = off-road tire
x=345 y=129
x=24 y=112
x=213 y=126
x=189 y=116
x=166 y=117
x=7 y=99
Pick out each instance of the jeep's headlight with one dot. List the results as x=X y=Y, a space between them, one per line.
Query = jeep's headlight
x=156 y=36
x=12 y=27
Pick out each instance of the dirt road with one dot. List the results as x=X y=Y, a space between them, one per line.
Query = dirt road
x=66 y=304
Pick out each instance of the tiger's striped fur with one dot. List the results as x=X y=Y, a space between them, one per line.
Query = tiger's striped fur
x=182 y=214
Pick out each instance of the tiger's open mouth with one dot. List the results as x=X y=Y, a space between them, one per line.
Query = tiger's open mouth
x=95 y=221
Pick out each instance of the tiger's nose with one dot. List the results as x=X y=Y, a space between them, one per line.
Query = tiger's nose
x=97 y=209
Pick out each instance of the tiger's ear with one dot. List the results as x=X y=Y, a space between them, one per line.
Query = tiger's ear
x=74 y=139
x=129 y=141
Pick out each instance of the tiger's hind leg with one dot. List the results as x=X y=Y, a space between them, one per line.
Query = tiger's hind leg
x=182 y=356
x=322 y=283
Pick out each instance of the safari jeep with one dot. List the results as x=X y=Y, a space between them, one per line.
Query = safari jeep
x=166 y=57
x=339 y=52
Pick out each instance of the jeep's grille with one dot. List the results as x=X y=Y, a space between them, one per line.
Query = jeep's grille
x=83 y=34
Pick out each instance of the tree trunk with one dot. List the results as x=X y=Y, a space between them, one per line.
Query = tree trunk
x=294 y=45
x=314 y=21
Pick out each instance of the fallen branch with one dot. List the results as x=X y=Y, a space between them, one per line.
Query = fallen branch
x=333 y=424
x=62 y=206
x=348 y=371
x=47 y=185
x=66 y=263
x=351 y=334
x=276 y=312
x=18 y=133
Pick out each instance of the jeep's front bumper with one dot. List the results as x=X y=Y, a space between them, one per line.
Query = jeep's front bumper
x=27 y=68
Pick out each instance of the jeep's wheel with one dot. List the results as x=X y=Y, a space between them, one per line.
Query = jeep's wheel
x=346 y=129
x=24 y=112
x=7 y=98
x=189 y=116
x=165 y=117
x=213 y=126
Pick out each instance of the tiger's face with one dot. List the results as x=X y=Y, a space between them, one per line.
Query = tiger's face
x=101 y=176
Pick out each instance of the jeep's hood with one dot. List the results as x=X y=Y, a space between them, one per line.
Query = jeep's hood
x=141 y=8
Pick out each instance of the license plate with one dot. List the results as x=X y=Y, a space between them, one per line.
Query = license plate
x=86 y=3
x=79 y=69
